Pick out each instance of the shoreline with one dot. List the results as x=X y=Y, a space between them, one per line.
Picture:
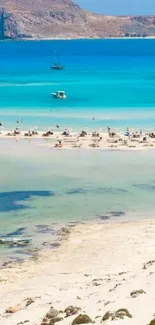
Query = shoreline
x=77 y=38
x=51 y=235
x=96 y=268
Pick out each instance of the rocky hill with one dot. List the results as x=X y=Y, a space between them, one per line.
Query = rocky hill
x=65 y=19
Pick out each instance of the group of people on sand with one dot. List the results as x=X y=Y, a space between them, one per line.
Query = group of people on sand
x=128 y=133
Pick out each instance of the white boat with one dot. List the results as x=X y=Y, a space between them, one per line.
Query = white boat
x=59 y=95
x=15 y=240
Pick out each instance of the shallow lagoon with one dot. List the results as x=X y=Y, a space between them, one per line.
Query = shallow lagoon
x=63 y=185
x=41 y=186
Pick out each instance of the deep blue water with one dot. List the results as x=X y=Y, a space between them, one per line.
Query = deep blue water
x=111 y=79
x=9 y=201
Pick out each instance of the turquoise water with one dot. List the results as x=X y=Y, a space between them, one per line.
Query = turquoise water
x=42 y=187
x=71 y=185
x=113 y=80
x=39 y=184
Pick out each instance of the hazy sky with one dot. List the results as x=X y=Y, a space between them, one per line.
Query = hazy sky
x=119 y=7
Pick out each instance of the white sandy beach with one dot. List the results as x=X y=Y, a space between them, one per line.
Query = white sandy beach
x=96 y=268
x=94 y=139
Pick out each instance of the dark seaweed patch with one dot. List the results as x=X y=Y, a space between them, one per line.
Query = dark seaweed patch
x=55 y=245
x=9 y=201
x=104 y=217
x=111 y=214
x=77 y=191
x=44 y=229
x=17 y=232
x=110 y=190
x=12 y=261
x=100 y=190
x=51 y=245
x=117 y=213
x=145 y=187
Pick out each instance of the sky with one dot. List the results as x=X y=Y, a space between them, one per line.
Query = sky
x=119 y=7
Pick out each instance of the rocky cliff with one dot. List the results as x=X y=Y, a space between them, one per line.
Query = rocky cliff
x=65 y=19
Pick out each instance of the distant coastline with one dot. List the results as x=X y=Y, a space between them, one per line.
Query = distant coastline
x=76 y=39
x=56 y=20
x=88 y=38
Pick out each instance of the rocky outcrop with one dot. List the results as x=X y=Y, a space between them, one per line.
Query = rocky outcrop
x=82 y=319
x=65 y=19
x=119 y=314
x=136 y=293
x=71 y=310
x=51 y=317
x=13 y=309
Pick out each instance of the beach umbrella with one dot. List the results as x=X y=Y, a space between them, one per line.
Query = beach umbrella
x=68 y=129
x=35 y=127
x=49 y=129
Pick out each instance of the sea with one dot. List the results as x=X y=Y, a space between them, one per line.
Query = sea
x=112 y=80
x=42 y=189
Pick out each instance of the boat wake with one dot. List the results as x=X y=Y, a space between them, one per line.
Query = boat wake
x=30 y=84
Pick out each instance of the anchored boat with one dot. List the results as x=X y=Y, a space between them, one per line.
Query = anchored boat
x=57 y=66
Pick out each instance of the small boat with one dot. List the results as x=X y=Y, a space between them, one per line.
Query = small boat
x=15 y=240
x=59 y=95
x=57 y=66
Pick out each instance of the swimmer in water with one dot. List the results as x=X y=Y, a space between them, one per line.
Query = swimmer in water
x=93 y=118
x=57 y=126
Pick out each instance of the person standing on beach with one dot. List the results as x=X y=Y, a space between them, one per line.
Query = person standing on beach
x=109 y=130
